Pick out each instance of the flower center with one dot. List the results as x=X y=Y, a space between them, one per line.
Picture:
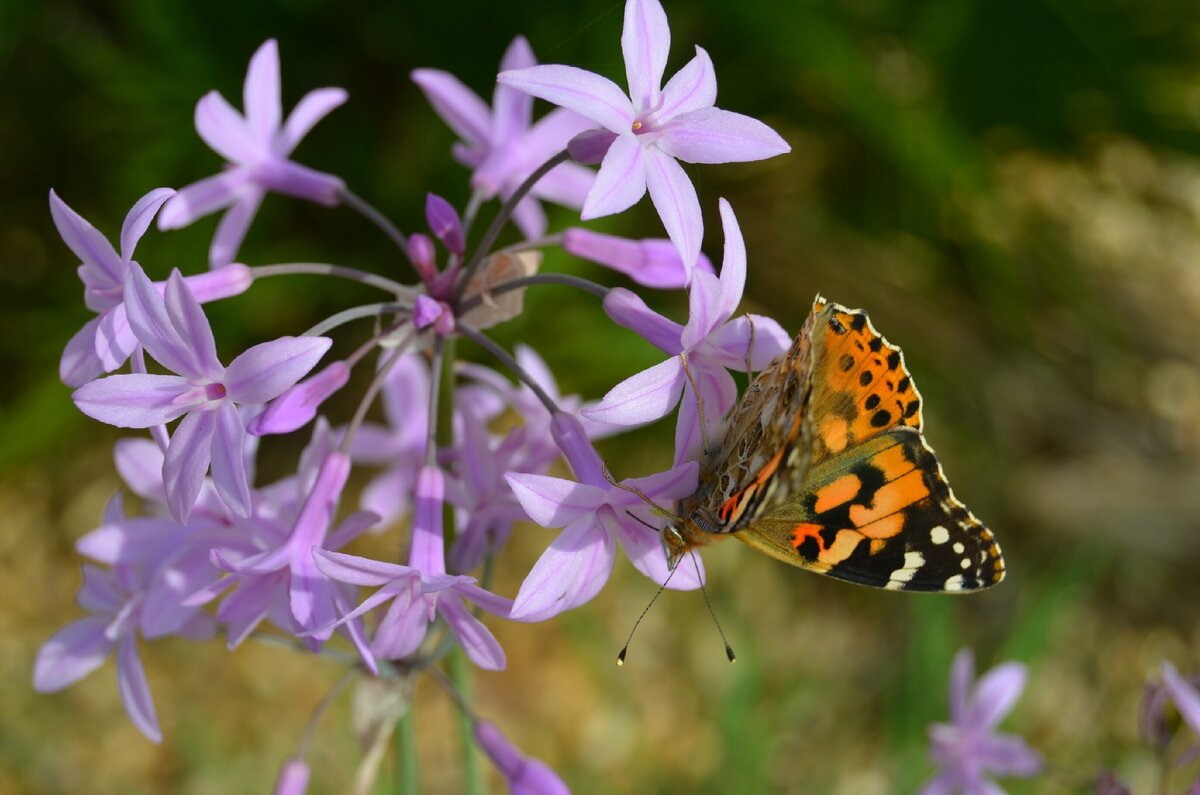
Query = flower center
x=637 y=125
x=214 y=391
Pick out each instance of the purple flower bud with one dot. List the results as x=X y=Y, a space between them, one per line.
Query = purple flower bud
x=293 y=778
x=443 y=222
x=525 y=776
x=423 y=256
x=590 y=146
x=431 y=312
x=650 y=262
x=572 y=439
x=296 y=407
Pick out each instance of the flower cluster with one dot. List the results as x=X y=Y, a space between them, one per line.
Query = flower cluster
x=208 y=549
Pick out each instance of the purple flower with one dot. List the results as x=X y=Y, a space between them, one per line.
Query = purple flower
x=968 y=748
x=650 y=262
x=500 y=145
x=422 y=590
x=655 y=127
x=713 y=340
x=1186 y=697
x=297 y=406
x=105 y=342
x=293 y=778
x=173 y=329
x=257 y=146
x=524 y=775
x=595 y=516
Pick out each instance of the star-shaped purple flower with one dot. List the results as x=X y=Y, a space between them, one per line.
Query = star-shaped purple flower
x=969 y=748
x=173 y=329
x=257 y=146
x=501 y=145
x=105 y=342
x=655 y=126
x=713 y=341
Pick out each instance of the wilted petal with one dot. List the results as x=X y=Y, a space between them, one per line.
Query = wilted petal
x=201 y=198
x=571 y=571
x=260 y=94
x=588 y=94
x=621 y=182
x=79 y=363
x=228 y=460
x=312 y=107
x=86 y=242
x=996 y=693
x=476 y=639
x=139 y=217
x=643 y=397
x=266 y=370
x=234 y=224
x=71 y=654
x=187 y=460
x=629 y=310
x=712 y=135
x=133 y=400
x=553 y=502
x=645 y=42
x=225 y=130
x=693 y=87
x=755 y=337
x=675 y=199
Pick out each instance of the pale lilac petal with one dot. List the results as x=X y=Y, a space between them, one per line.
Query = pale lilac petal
x=530 y=218
x=71 y=654
x=643 y=397
x=629 y=310
x=996 y=693
x=79 y=363
x=293 y=778
x=86 y=242
x=645 y=551
x=674 y=484
x=402 y=629
x=201 y=198
x=719 y=392
x=225 y=130
x=293 y=179
x=645 y=42
x=187 y=460
x=477 y=640
x=962 y=676
x=266 y=370
x=297 y=406
x=139 y=217
x=943 y=783
x=550 y=134
x=139 y=463
x=621 y=182
x=356 y=570
x=231 y=230
x=100 y=592
x=224 y=282
x=193 y=328
x=1006 y=755
x=566 y=184
x=387 y=494
x=571 y=437
x=228 y=461
x=133 y=400
x=704 y=310
x=312 y=107
x=512 y=109
x=675 y=199
x=460 y=107
x=260 y=95
x=486 y=600
x=693 y=87
x=649 y=262
x=733 y=262
x=554 y=502
x=153 y=324
x=525 y=775
x=590 y=146
x=115 y=339
x=427 y=552
x=712 y=135
x=1186 y=699
x=135 y=690
x=730 y=343
x=571 y=571
x=590 y=95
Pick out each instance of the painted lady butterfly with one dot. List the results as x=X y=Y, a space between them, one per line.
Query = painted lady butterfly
x=823 y=466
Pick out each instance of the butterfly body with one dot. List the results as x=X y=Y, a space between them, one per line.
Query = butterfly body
x=824 y=466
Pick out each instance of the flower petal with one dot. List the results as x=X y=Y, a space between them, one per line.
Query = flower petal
x=266 y=370
x=756 y=337
x=704 y=310
x=588 y=94
x=293 y=778
x=293 y=179
x=1007 y=755
x=201 y=198
x=85 y=241
x=79 y=363
x=512 y=109
x=571 y=571
x=643 y=397
x=530 y=218
x=645 y=42
x=186 y=462
x=192 y=326
x=355 y=570
x=996 y=693
x=712 y=135
x=231 y=230
x=403 y=627
x=675 y=199
x=115 y=339
x=1186 y=699
x=645 y=551
x=674 y=484
x=133 y=400
x=139 y=462
x=229 y=461
x=477 y=640
x=139 y=217
x=733 y=262
x=219 y=283
x=153 y=325
x=691 y=88
x=621 y=182
x=71 y=654
x=225 y=130
x=554 y=502
x=260 y=94
x=629 y=310
x=460 y=107
x=719 y=392
x=312 y=107
x=135 y=690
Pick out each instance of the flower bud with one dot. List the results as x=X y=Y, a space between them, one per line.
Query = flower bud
x=590 y=146
x=572 y=439
x=293 y=778
x=423 y=256
x=443 y=222
x=522 y=773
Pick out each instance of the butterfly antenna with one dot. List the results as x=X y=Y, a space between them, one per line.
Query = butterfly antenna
x=750 y=351
x=625 y=649
x=728 y=649
x=658 y=509
x=699 y=405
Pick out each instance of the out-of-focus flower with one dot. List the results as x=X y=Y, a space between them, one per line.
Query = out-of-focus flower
x=257 y=146
x=1107 y=783
x=655 y=126
x=293 y=778
x=969 y=749
x=502 y=147
x=524 y=775
x=1185 y=696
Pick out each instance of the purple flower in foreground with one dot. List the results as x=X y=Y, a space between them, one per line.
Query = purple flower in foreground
x=713 y=341
x=173 y=329
x=968 y=748
x=422 y=590
x=105 y=342
x=654 y=127
x=524 y=775
x=595 y=516
x=257 y=146
x=502 y=147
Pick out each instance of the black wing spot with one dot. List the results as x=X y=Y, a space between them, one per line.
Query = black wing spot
x=904 y=384
x=836 y=325
x=876 y=344
x=866 y=378
x=846 y=362
x=881 y=418
x=913 y=408
x=871 y=402
x=809 y=549
x=859 y=322
x=893 y=360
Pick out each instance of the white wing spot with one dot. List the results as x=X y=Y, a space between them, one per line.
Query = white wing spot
x=965 y=563
x=939 y=535
x=955 y=583
x=958 y=547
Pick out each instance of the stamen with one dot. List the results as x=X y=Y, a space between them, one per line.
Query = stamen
x=637 y=125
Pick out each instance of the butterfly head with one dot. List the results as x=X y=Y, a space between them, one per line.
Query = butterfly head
x=674 y=545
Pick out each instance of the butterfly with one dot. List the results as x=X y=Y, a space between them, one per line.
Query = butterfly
x=823 y=466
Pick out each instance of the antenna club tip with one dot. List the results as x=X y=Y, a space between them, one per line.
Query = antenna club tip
x=729 y=653
x=621 y=657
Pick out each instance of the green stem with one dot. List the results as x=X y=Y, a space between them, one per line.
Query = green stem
x=408 y=774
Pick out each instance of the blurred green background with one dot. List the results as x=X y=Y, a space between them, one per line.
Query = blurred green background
x=1011 y=188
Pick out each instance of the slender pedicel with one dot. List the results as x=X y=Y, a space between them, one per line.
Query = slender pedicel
x=368 y=397
x=368 y=211
x=340 y=271
x=588 y=286
x=505 y=358
x=356 y=313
